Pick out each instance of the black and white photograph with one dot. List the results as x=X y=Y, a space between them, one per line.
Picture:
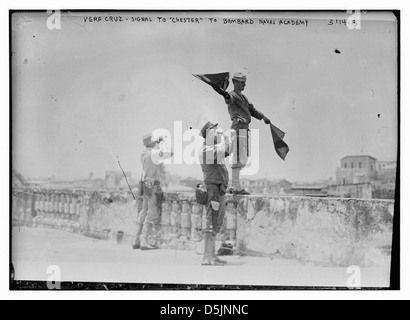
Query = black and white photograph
x=200 y=149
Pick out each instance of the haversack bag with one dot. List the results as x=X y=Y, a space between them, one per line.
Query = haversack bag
x=201 y=194
x=147 y=189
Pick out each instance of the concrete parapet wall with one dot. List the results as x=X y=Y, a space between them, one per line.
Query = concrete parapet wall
x=325 y=231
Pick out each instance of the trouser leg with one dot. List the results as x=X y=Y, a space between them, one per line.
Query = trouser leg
x=152 y=209
x=137 y=242
x=209 y=248
x=210 y=257
x=240 y=157
x=145 y=232
x=140 y=222
x=152 y=219
x=214 y=219
x=236 y=178
x=218 y=225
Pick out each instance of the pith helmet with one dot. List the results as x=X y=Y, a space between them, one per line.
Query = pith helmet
x=207 y=126
x=148 y=139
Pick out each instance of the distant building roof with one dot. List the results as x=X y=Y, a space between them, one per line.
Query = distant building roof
x=280 y=181
x=359 y=156
x=390 y=166
x=274 y=181
x=297 y=187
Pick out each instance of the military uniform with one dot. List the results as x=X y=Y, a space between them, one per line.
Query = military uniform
x=149 y=215
x=241 y=111
x=216 y=179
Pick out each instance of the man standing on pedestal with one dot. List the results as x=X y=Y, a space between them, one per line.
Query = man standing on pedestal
x=241 y=111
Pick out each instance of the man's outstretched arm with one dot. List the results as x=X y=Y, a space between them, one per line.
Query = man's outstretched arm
x=163 y=153
x=258 y=115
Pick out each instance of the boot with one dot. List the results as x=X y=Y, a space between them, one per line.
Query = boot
x=236 y=185
x=210 y=258
x=208 y=249
x=216 y=258
x=146 y=231
x=137 y=242
x=241 y=192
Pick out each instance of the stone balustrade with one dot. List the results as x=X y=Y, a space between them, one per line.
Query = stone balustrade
x=325 y=231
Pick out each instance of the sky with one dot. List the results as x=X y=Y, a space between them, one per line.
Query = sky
x=84 y=95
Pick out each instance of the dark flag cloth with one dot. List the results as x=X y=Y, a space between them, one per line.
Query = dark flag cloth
x=218 y=81
x=281 y=147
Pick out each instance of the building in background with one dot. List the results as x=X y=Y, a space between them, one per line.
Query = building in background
x=266 y=186
x=364 y=177
x=358 y=190
x=356 y=169
x=385 y=186
x=386 y=172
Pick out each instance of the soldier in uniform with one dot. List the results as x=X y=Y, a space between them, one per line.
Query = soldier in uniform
x=149 y=216
x=241 y=111
x=217 y=146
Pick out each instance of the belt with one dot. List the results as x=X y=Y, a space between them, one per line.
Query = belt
x=240 y=119
x=221 y=186
x=152 y=184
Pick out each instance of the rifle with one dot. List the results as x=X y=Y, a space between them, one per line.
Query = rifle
x=126 y=180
